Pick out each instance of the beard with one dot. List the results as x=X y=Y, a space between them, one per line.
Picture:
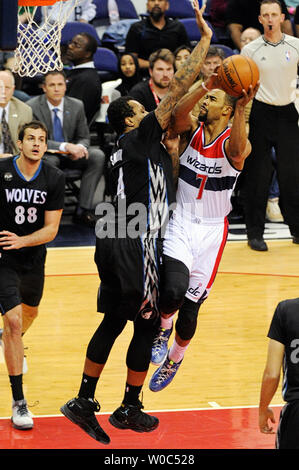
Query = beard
x=156 y=14
x=202 y=117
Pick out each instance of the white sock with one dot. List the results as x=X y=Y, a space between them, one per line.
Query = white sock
x=167 y=322
x=176 y=352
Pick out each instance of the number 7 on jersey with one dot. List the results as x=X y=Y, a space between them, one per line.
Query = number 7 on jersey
x=202 y=184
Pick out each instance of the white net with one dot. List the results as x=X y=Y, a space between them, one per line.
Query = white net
x=38 y=49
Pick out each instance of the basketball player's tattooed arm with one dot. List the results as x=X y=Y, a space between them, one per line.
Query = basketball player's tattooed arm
x=238 y=146
x=188 y=71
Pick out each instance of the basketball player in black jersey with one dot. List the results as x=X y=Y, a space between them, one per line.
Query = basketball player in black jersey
x=141 y=175
x=283 y=352
x=31 y=201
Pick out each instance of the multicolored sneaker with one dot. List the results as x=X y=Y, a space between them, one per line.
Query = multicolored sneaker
x=81 y=411
x=131 y=417
x=164 y=375
x=160 y=346
x=21 y=416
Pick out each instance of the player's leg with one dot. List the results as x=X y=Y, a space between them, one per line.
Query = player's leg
x=81 y=409
x=31 y=291
x=174 y=284
x=14 y=355
x=209 y=243
x=11 y=308
x=130 y=415
x=185 y=329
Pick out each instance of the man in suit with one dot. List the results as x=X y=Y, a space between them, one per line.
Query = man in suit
x=13 y=114
x=68 y=145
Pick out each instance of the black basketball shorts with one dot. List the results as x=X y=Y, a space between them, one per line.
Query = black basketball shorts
x=19 y=284
x=288 y=429
x=122 y=273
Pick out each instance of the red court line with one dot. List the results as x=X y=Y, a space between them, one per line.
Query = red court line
x=233 y=428
x=219 y=272
x=259 y=274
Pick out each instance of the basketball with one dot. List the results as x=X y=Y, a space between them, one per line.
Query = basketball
x=237 y=73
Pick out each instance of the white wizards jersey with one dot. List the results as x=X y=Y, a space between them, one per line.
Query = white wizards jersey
x=206 y=177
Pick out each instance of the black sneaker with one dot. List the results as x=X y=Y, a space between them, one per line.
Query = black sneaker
x=131 y=417
x=82 y=412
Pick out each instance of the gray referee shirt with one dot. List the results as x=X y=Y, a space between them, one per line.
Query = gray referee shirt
x=277 y=64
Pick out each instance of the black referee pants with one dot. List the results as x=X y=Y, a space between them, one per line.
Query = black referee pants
x=271 y=126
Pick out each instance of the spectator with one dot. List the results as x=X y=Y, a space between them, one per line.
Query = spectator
x=13 y=114
x=161 y=70
x=128 y=68
x=84 y=11
x=180 y=55
x=242 y=14
x=68 y=133
x=273 y=122
x=154 y=32
x=248 y=35
x=216 y=12
x=83 y=81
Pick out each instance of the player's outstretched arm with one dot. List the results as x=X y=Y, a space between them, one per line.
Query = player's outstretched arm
x=188 y=71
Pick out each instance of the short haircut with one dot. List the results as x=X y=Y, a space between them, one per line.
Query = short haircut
x=231 y=101
x=268 y=2
x=9 y=72
x=92 y=43
x=182 y=48
x=215 y=51
x=54 y=72
x=162 y=54
x=118 y=111
x=32 y=125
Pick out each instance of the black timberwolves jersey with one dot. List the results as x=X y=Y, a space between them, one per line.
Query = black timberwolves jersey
x=284 y=328
x=141 y=172
x=23 y=203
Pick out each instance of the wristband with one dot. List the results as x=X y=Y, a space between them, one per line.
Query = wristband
x=204 y=86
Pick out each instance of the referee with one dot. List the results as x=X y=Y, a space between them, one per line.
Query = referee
x=283 y=350
x=273 y=123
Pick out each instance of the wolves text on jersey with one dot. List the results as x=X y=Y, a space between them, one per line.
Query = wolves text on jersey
x=33 y=196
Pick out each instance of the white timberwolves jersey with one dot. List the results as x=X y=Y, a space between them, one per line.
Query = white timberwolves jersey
x=206 y=177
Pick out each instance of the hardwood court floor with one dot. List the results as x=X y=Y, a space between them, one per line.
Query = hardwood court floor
x=223 y=365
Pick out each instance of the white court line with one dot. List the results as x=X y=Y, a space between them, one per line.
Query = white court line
x=164 y=411
x=214 y=404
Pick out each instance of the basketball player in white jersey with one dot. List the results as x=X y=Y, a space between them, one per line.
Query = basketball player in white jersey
x=212 y=156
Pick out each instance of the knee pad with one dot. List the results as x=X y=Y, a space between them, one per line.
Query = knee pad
x=174 y=284
x=140 y=349
x=100 y=345
x=187 y=319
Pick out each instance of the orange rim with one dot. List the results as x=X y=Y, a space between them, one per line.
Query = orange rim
x=36 y=3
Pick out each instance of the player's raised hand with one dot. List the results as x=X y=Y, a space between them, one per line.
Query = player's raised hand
x=249 y=95
x=201 y=23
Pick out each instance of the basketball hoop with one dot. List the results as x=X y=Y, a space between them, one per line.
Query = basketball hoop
x=38 y=49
